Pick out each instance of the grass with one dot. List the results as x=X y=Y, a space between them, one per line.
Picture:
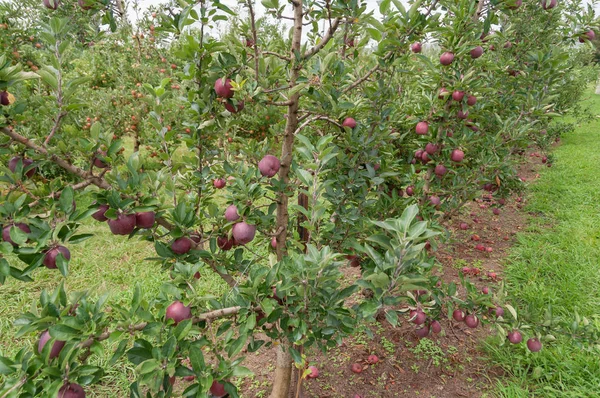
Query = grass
x=556 y=263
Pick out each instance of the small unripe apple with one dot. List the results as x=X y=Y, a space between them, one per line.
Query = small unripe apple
x=178 y=312
x=181 y=245
x=123 y=225
x=515 y=337
x=243 y=232
x=269 y=166
x=50 y=256
x=71 y=390
x=446 y=58
x=457 y=156
x=422 y=128
x=223 y=88
x=477 y=52
x=231 y=213
x=219 y=183
x=314 y=372
x=56 y=347
x=416 y=47
x=534 y=345
x=349 y=122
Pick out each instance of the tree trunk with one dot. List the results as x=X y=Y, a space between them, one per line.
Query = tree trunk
x=283 y=370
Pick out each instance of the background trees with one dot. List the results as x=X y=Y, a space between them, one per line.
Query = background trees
x=268 y=156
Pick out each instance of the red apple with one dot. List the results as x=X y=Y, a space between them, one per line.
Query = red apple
x=217 y=389
x=123 y=225
x=178 y=312
x=219 y=183
x=440 y=170
x=224 y=243
x=223 y=88
x=422 y=128
x=434 y=200
x=458 y=95
x=99 y=214
x=85 y=4
x=181 y=245
x=458 y=315
x=431 y=148
x=422 y=331
x=51 y=4
x=269 y=166
x=6 y=232
x=356 y=368
x=50 y=256
x=13 y=162
x=457 y=156
x=515 y=337
x=314 y=372
x=145 y=219
x=416 y=47
x=443 y=93
x=235 y=108
x=549 y=4
x=56 y=347
x=349 y=122
x=471 y=100
x=71 y=390
x=534 y=345
x=373 y=359
x=231 y=213
x=446 y=58
x=436 y=327
x=477 y=52
x=418 y=317
x=243 y=232
x=410 y=190
x=471 y=321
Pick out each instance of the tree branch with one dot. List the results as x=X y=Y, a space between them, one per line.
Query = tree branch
x=254 y=37
x=315 y=118
x=323 y=43
x=288 y=59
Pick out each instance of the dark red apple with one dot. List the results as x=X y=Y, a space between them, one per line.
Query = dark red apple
x=534 y=345
x=410 y=190
x=418 y=317
x=181 y=245
x=56 y=347
x=223 y=88
x=422 y=128
x=549 y=4
x=314 y=372
x=224 y=243
x=4 y=98
x=471 y=100
x=443 y=93
x=477 y=52
x=457 y=156
x=178 y=312
x=51 y=4
x=434 y=200
x=269 y=166
x=217 y=389
x=99 y=214
x=373 y=359
x=235 y=108
x=498 y=311
x=243 y=232
x=71 y=390
x=13 y=162
x=458 y=95
x=231 y=213
x=6 y=232
x=515 y=337
x=471 y=321
x=123 y=225
x=446 y=58
x=50 y=256
x=422 y=331
x=436 y=327
x=416 y=47
x=219 y=183
x=356 y=368
x=145 y=219
x=440 y=170
x=462 y=114
x=349 y=122
x=496 y=211
x=431 y=148
x=458 y=315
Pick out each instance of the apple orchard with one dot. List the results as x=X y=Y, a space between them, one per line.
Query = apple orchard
x=273 y=151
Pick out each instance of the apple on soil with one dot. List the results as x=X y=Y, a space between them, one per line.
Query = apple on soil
x=373 y=359
x=418 y=317
x=6 y=232
x=56 y=347
x=178 y=312
x=71 y=390
x=269 y=166
x=314 y=372
x=458 y=315
x=217 y=389
x=356 y=368
x=471 y=321
x=123 y=225
x=422 y=331
x=50 y=256
x=436 y=327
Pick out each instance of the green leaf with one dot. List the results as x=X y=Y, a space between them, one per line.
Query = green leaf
x=392 y=317
x=118 y=352
x=6 y=366
x=63 y=332
x=197 y=359
x=148 y=366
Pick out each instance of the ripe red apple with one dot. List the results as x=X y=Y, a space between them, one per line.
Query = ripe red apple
x=71 y=390
x=496 y=211
x=123 y=225
x=440 y=170
x=443 y=93
x=85 y=4
x=314 y=372
x=51 y=4
x=145 y=219
x=422 y=331
x=50 y=256
x=243 y=232
x=373 y=359
x=410 y=190
x=178 y=312
x=353 y=260
x=458 y=95
x=422 y=128
x=217 y=389
x=4 y=98
x=431 y=148
x=181 y=245
x=485 y=290
x=356 y=368
x=349 y=122
x=231 y=213
x=534 y=345
x=549 y=4
x=235 y=108
x=515 y=337
x=269 y=166
x=436 y=327
x=471 y=100
x=223 y=88
x=99 y=214
x=13 y=162
x=56 y=347
x=446 y=58
x=464 y=226
x=471 y=321
x=424 y=157
x=219 y=183
x=418 y=317
x=274 y=242
x=434 y=200
x=99 y=163
x=477 y=52
x=458 y=315
x=457 y=156
x=498 y=311
x=6 y=232
x=480 y=247
x=224 y=243
x=416 y=47
x=462 y=114
x=508 y=44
